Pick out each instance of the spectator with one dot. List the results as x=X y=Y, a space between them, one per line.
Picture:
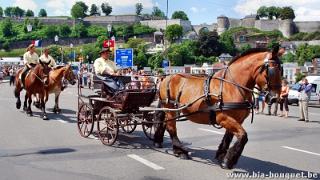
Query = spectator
x=272 y=98
x=12 y=73
x=256 y=99
x=304 y=97
x=284 y=99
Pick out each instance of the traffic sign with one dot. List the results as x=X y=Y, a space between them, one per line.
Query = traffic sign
x=165 y=63
x=124 y=58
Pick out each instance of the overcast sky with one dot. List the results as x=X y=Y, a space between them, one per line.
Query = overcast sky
x=199 y=11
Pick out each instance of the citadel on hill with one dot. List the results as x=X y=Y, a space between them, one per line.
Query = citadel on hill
x=288 y=27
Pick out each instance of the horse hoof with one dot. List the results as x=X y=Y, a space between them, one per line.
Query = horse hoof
x=45 y=118
x=30 y=114
x=25 y=109
x=18 y=105
x=184 y=156
x=225 y=165
x=158 y=145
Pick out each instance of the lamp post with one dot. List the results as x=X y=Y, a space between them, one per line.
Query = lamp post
x=29 y=27
x=109 y=28
x=56 y=39
x=74 y=52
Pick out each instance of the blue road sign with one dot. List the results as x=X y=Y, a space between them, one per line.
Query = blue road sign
x=165 y=63
x=124 y=58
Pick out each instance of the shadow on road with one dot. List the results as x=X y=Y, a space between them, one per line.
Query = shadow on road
x=42 y=152
x=248 y=164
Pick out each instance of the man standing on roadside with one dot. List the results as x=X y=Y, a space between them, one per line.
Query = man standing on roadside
x=304 y=97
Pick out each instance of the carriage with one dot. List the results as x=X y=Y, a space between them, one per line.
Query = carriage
x=119 y=111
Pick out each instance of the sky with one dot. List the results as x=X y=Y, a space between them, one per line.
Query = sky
x=198 y=11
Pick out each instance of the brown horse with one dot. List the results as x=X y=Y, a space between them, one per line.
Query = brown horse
x=56 y=77
x=223 y=99
x=35 y=83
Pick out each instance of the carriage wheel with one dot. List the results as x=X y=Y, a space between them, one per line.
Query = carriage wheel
x=85 y=120
x=108 y=127
x=149 y=127
x=128 y=125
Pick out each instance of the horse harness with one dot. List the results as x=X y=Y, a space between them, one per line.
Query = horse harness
x=221 y=105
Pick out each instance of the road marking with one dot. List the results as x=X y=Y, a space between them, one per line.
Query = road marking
x=295 y=149
x=208 y=130
x=145 y=162
x=62 y=121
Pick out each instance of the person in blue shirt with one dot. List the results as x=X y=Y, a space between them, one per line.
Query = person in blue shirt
x=304 y=97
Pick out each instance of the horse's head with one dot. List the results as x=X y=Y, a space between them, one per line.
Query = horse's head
x=270 y=72
x=44 y=72
x=69 y=75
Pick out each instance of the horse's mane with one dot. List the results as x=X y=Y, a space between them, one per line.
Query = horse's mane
x=249 y=51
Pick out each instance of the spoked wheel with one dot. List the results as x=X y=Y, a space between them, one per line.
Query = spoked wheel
x=149 y=127
x=85 y=120
x=108 y=127
x=128 y=125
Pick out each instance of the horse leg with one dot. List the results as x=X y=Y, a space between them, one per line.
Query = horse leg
x=178 y=148
x=232 y=156
x=159 y=132
x=224 y=145
x=56 y=106
x=25 y=107
x=29 y=111
x=43 y=107
x=37 y=102
x=17 y=91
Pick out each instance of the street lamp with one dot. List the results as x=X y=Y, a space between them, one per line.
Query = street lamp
x=56 y=39
x=74 y=53
x=109 y=28
x=29 y=27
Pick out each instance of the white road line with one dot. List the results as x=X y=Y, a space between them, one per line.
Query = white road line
x=300 y=150
x=145 y=162
x=62 y=121
x=208 y=130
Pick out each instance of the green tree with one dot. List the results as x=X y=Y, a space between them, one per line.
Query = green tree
x=180 y=54
x=209 y=45
x=51 y=31
x=17 y=12
x=299 y=76
x=273 y=44
x=173 y=32
x=7 y=12
x=94 y=10
x=42 y=13
x=244 y=48
x=79 y=31
x=95 y=30
x=262 y=12
x=157 y=12
x=139 y=8
x=106 y=8
x=179 y=15
x=289 y=57
x=155 y=61
x=29 y=13
x=64 y=30
x=304 y=53
x=228 y=46
x=271 y=11
x=83 y=5
x=7 y=28
x=77 y=11
x=287 y=13
x=1 y=12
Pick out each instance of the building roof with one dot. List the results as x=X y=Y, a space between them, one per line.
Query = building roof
x=225 y=55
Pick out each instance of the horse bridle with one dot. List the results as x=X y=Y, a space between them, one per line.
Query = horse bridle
x=270 y=72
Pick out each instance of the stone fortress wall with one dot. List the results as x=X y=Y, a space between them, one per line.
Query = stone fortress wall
x=287 y=27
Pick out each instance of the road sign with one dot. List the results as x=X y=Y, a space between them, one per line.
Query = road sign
x=165 y=63
x=124 y=58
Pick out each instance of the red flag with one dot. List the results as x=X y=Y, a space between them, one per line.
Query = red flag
x=108 y=43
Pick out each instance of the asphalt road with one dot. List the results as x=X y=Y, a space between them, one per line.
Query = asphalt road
x=31 y=148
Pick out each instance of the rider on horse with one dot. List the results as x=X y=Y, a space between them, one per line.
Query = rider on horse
x=46 y=58
x=30 y=60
